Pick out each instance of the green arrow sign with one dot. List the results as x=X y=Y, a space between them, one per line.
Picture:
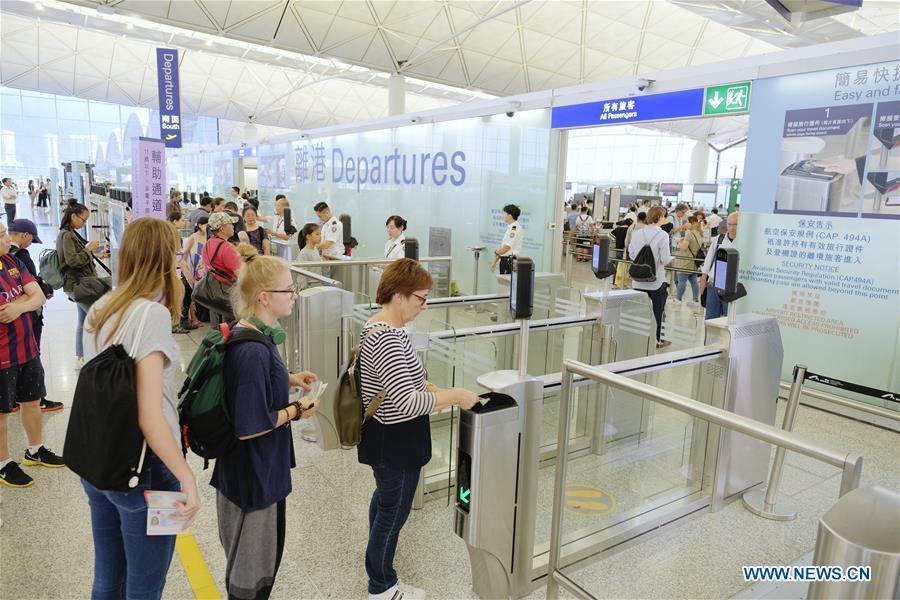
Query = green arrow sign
x=727 y=99
x=464 y=494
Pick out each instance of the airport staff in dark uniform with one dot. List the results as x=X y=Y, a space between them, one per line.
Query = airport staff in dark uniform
x=512 y=240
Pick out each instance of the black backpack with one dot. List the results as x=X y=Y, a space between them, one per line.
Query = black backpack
x=104 y=444
x=643 y=268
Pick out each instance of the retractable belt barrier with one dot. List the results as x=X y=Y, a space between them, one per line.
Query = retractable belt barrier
x=853 y=387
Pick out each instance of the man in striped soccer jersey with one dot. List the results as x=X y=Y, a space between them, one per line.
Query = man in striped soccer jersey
x=21 y=373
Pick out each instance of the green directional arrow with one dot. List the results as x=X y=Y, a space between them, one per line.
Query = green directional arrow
x=727 y=99
x=464 y=494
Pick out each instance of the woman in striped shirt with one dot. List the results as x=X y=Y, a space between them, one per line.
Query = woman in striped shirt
x=396 y=442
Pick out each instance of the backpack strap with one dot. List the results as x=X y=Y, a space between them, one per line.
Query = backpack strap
x=377 y=399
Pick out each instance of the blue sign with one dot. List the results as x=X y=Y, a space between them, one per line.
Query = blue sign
x=243 y=152
x=620 y=111
x=169 y=103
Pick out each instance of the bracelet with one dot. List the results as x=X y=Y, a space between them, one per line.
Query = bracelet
x=299 y=407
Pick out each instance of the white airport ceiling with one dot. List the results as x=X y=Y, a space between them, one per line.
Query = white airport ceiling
x=304 y=64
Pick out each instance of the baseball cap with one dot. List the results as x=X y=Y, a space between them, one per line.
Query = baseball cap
x=25 y=226
x=218 y=219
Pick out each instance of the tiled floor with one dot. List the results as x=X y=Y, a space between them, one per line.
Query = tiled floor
x=48 y=525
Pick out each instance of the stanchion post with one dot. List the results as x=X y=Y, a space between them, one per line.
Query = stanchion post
x=475 y=284
x=765 y=505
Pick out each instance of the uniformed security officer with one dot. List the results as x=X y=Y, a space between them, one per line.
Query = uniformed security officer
x=395 y=247
x=332 y=245
x=512 y=240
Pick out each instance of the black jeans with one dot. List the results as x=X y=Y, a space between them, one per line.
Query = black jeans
x=395 y=488
x=658 y=300
x=10 y=210
x=186 y=302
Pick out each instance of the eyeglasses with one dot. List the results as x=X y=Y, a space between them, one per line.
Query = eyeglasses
x=290 y=290
x=422 y=299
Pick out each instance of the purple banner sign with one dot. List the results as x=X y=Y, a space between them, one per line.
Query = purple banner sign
x=148 y=177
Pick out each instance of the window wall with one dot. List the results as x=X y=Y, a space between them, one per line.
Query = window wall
x=605 y=155
x=39 y=131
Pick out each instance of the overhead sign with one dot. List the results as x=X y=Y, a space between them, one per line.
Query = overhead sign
x=715 y=100
x=727 y=99
x=243 y=152
x=169 y=102
x=620 y=111
x=148 y=177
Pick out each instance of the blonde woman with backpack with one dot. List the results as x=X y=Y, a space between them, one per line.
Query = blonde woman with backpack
x=253 y=478
x=127 y=562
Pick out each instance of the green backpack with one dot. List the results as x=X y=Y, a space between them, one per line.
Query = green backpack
x=207 y=427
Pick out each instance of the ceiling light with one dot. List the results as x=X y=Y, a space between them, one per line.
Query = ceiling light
x=130 y=25
x=209 y=42
x=39 y=6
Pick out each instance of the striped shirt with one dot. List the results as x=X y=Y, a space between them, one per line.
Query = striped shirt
x=17 y=342
x=389 y=362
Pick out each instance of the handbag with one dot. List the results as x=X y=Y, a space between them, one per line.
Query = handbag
x=88 y=290
x=212 y=293
x=104 y=444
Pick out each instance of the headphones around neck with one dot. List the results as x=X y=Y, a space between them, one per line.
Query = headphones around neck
x=276 y=334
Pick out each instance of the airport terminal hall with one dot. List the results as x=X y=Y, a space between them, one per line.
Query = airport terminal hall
x=449 y=299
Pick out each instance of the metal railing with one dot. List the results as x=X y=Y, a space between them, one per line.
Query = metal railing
x=878 y=411
x=850 y=464
x=310 y=275
x=365 y=263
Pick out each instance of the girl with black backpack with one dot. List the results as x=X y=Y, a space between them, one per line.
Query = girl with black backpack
x=139 y=316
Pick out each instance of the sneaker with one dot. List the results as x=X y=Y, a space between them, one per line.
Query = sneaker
x=43 y=458
x=393 y=593
x=184 y=324
x=48 y=406
x=663 y=344
x=179 y=329
x=79 y=362
x=13 y=476
x=410 y=592
x=675 y=301
x=309 y=434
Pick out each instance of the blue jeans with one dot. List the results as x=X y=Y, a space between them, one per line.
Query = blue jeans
x=681 y=280
x=127 y=562
x=715 y=308
x=395 y=488
x=79 y=331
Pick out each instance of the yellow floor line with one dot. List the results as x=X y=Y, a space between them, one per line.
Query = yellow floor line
x=201 y=580
x=584 y=494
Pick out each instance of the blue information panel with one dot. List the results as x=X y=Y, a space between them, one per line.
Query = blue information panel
x=620 y=111
x=169 y=97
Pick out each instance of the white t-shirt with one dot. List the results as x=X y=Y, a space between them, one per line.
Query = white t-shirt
x=659 y=244
x=513 y=238
x=156 y=337
x=9 y=194
x=711 y=256
x=394 y=249
x=333 y=231
x=279 y=224
x=583 y=223
x=714 y=220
